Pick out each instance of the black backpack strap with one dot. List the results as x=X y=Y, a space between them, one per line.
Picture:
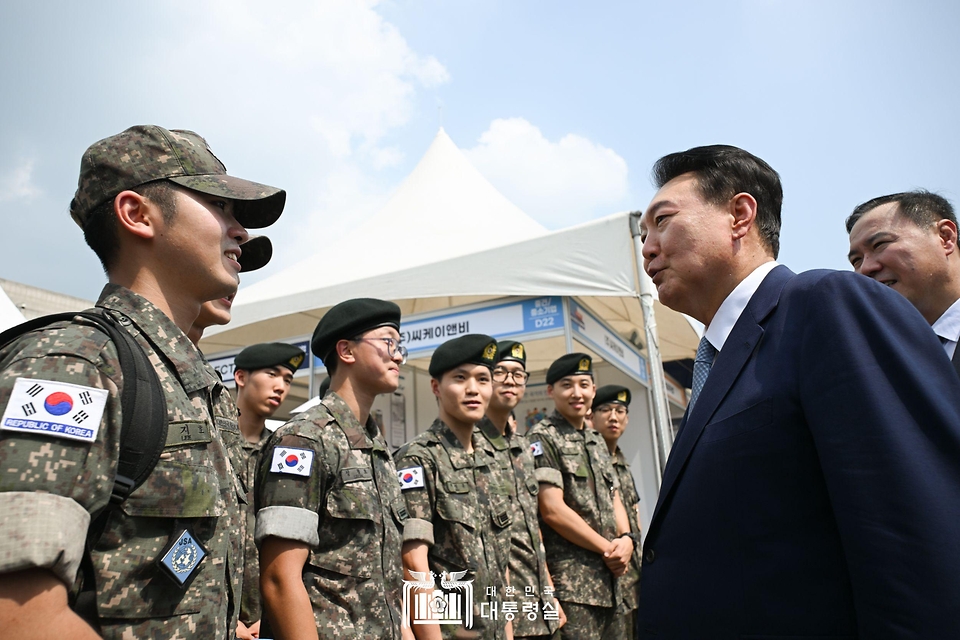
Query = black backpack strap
x=143 y=431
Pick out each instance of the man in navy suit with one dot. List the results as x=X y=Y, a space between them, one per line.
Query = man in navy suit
x=908 y=241
x=814 y=487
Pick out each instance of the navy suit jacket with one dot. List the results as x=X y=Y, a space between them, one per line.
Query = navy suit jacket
x=814 y=489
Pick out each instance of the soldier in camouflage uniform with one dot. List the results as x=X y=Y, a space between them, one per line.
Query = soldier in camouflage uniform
x=329 y=511
x=257 y=252
x=456 y=495
x=528 y=563
x=585 y=527
x=610 y=417
x=166 y=247
x=263 y=375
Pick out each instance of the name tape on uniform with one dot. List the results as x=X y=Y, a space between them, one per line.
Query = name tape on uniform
x=536 y=448
x=293 y=461
x=411 y=478
x=58 y=409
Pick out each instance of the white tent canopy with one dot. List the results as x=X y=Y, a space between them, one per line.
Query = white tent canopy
x=444 y=208
x=9 y=314
x=592 y=261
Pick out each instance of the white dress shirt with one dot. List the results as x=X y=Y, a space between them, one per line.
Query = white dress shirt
x=734 y=304
x=947 y=327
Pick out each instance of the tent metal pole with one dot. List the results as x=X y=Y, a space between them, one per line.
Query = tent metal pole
x=567 y=329
x=658 y=388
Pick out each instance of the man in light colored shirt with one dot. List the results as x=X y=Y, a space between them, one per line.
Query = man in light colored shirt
x=908 y=241
x=812 y=490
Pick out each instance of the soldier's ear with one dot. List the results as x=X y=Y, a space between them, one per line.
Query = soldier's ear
x=136 y=214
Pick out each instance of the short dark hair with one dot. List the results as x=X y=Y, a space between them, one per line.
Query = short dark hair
x=101 y=233
x=923 y=207
x=723 y=171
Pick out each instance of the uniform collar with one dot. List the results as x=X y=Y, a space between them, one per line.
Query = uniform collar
x=160 y=331
x=366 y=436
x=490 y=431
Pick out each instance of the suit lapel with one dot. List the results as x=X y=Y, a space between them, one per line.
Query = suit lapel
x=736 y=351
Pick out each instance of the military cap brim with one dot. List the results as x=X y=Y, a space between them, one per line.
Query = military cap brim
x=255 y=253
x=612 y=393
x=571 y=364
x=349 y=319
x=269 y=354
x=473 y=348
x=255 y=205
x=512 y=350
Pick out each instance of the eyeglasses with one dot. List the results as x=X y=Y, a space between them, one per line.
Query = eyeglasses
x=517 y=377
x=607 y=409
x=393 y=347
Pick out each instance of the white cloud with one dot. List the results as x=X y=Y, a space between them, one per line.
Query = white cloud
x=558 y=183
x=333 y=66
x=18 y=183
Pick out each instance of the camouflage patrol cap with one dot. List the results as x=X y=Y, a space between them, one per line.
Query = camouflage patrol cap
x=147 y=153
x=473 y=348
x=255 y=253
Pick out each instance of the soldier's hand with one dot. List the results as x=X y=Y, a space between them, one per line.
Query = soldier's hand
x=243 y=632
x=563 y=616
x=618 y=555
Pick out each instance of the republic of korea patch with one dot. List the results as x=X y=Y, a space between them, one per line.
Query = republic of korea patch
x=182 y=557
x=296 y=462
x=536 y=448
x=58 y=409
x=411 y=478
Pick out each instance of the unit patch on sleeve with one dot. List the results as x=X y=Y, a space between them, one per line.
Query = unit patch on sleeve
x=411 y=478
x=58 y=409
x=293 y=461
x=536 y=448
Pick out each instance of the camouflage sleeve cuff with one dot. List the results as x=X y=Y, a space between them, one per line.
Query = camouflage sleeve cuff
x=289 y=523
x=549 y=476
x=42 y=530
x=418 y=530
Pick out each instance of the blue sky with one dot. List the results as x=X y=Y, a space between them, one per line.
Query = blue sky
x=564 y=106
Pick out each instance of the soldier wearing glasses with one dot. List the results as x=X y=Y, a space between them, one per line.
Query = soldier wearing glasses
x=610 y=417
x=329 y=510
x=528 y=562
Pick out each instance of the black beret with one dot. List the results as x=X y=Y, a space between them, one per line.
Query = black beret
x=511 y=350
x=612 y=393
x=349 y=319
x=473 y=348
x=270 y=354
x=324 y=387
x=255 y=253
x=572 y=364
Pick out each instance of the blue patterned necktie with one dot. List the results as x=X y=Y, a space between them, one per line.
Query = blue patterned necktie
x=701 y=368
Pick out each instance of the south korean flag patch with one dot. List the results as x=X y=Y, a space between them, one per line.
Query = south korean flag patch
x=57 y=409
x=411 y=478
x=297 y=462
x=536 y=448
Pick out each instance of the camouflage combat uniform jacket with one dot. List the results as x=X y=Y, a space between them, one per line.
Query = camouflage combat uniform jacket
x=461 y=511
x=246 y=462
x=527 y=558
x=348 y=509
x=630 y=581
x=49 y=485
x=578 y=462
